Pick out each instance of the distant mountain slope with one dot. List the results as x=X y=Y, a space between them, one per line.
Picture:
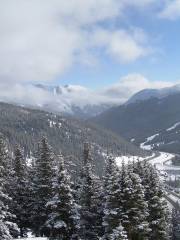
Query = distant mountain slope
x=154 y=93
x=73 y=100
x=154 y=123
x=25 y=127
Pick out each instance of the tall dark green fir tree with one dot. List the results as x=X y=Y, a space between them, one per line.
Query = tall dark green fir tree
x=158 y=213
x=20 y=192
x=62 y=220
x=8 y=229
x=89 y=214
x=44 y=170
x=112 y=203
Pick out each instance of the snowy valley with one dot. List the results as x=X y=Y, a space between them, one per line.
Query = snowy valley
x=106 y=183
x=73 y=179
x=89 y=120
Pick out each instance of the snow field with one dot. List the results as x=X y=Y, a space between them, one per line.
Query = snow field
x=173 y=127
x=128 y=159
x=158 y=161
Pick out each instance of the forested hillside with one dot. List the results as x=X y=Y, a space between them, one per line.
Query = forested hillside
x=25 y=127
x=154 y=122
x=41 y=198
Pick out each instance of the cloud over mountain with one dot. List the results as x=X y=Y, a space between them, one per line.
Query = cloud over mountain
x=62 y=98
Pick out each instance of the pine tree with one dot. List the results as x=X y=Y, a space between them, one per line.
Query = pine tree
x=98 y=206
x=112 y=206
x=4 y=214
x=158 y=214
x=20 y=192
x=88 y=197
x=175 y=224
x=157 y=207
x=62 y=214
x=6 y=226
x=32 y=188
x=139 y=168
x=126 y=197
x=42 y=186
x=6 y=163
x=138 y=211
x=118 y=234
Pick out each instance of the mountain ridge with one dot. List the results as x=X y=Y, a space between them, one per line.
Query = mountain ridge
x=141 y=120
x=145 y=94
x=25 y=127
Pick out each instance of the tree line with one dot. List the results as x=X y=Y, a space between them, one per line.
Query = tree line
x=125 y=204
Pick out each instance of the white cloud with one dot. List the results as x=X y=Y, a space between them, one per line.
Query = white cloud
x=41 y=39
x=23 y=94
x=171 y=10
x=80 y=96
x=125 y=46
x=140 y=3
x=131 y=84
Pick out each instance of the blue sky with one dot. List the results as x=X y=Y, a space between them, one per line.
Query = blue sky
x=161 y=65
x=94 y=43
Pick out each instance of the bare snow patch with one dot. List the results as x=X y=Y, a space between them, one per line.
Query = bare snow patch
x=127 y=159
x=160 y=161
x=32 y=238
x=173 y=127
x=149 y=139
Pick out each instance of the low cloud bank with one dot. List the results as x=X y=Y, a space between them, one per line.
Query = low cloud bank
x=63 y=97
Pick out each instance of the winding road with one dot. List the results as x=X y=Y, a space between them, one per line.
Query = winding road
x=161 y=161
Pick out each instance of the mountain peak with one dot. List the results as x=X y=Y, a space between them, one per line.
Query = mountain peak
x=153 y=93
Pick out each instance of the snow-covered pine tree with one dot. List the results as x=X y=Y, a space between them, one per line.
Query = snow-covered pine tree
x=20 y=192
x=4 y=214
x=158 y=213
x=6 y=162
x=175 y=223
x=62 y=213
x=98 y=206
x=89 y=215
x=138 y=211
x=126 y=187
x=32 y=187
x=44 y=170
x=112 y=201
x=6 y=226
x=118 y=234
x=139 y=168
x=143 y=168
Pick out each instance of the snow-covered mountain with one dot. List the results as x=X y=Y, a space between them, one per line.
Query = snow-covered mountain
x=74 y=100
x=83 y=103
x=25 y=127
x=153 y=93
x=153 y=123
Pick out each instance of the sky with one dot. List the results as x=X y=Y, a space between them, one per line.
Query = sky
x=98 y=44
